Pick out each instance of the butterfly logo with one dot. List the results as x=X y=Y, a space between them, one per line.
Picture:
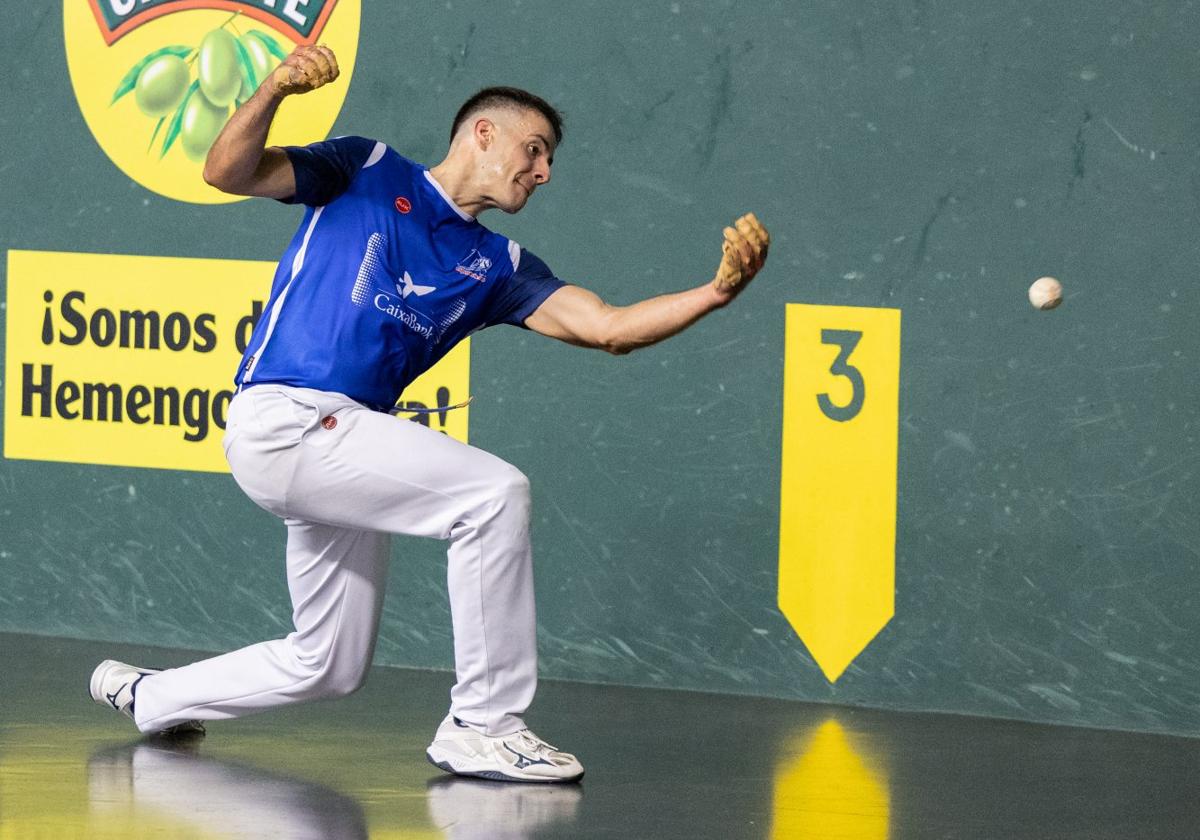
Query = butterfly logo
x=405 y=286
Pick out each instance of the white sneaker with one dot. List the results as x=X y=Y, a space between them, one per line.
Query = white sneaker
x=519 y=757
x=114 y=685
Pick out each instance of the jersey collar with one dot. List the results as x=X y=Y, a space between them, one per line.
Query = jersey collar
x=463 y=214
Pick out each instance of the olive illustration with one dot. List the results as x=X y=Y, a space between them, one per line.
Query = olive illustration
x=220 y=76
x=202 y=122
x=193 y=111
x=161 y=85
x=260 y=59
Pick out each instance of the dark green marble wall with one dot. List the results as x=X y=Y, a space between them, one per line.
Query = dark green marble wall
x=925 y=155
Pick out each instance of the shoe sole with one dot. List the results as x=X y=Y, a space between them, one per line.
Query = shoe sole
x=496 y=775
x=184 y=731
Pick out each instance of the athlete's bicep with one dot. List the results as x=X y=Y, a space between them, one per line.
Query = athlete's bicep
x=274 y=177
x=574 y=315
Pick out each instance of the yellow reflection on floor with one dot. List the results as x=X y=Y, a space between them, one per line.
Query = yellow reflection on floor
x=72 y=783
x=68 y=784
x=48 y=790
x=829 y=786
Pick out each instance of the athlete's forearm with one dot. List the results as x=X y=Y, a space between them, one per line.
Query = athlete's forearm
x=654 y=319
x=236 y=155
x=239 y=161
x=650 y=321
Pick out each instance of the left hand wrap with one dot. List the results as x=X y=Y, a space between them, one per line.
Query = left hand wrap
x=743 y=253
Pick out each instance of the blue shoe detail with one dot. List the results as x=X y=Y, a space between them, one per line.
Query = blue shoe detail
x=524 y=761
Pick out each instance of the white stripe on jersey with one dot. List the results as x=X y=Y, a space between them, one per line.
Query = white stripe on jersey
x=297 y=264
x=376 y=155
x=462 y=214
x=514 y=254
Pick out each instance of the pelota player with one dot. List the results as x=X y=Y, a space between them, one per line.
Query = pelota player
x=388 y=270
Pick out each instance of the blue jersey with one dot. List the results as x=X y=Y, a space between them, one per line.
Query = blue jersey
x=383 y=277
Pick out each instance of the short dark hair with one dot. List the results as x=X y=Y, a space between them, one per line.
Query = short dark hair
x=492 y=97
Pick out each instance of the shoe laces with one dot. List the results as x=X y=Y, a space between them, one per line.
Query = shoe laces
x=532 y=742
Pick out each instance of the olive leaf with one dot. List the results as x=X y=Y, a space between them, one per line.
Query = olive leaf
x=177 y=120
x=270 y=43
x=247 y=66
x=161 y=120
x=129 y=80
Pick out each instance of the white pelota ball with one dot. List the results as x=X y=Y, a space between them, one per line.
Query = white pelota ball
x=1045 y=293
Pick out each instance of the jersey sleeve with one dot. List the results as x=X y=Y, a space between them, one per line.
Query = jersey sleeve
x=524 y=291
x=324 y=170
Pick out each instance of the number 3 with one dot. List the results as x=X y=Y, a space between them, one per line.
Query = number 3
x=847 y=340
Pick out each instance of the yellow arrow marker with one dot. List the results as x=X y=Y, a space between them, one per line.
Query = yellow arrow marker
x=831 y=790
x=837 y=533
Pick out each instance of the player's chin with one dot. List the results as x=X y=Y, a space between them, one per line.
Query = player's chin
x=518 y=202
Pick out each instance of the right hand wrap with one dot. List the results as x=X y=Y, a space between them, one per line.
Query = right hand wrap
x=307 y=68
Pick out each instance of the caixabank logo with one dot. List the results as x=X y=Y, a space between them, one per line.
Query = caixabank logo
x=156 y=80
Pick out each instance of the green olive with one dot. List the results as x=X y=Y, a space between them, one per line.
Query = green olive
x=202 y=122
x=260 y=59
x=220 y=76
x=161 y=86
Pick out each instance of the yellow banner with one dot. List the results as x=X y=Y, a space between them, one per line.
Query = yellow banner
x=837 y=533
x=129 y=360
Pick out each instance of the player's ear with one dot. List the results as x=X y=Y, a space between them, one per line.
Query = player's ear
x=485 y=132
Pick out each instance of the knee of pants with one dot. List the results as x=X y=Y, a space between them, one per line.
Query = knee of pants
x=328 y=675
x=499 y=494
x=336 y=681
x=511 y=490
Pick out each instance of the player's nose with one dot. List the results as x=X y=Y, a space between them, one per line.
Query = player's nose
x=541 y=173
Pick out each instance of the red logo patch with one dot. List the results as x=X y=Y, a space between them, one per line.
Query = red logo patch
x=403 y=204
x=329 y=422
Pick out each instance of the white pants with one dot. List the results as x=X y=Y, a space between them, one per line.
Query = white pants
x=343 y=478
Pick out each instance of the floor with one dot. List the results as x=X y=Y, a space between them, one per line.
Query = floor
x=660 y=764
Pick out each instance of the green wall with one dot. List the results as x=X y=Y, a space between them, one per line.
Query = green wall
x=925 y=155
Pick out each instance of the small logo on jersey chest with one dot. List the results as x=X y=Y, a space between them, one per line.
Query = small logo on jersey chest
x=474 y=265
x=329 y=422
x=403 y=204
x=405 y=287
